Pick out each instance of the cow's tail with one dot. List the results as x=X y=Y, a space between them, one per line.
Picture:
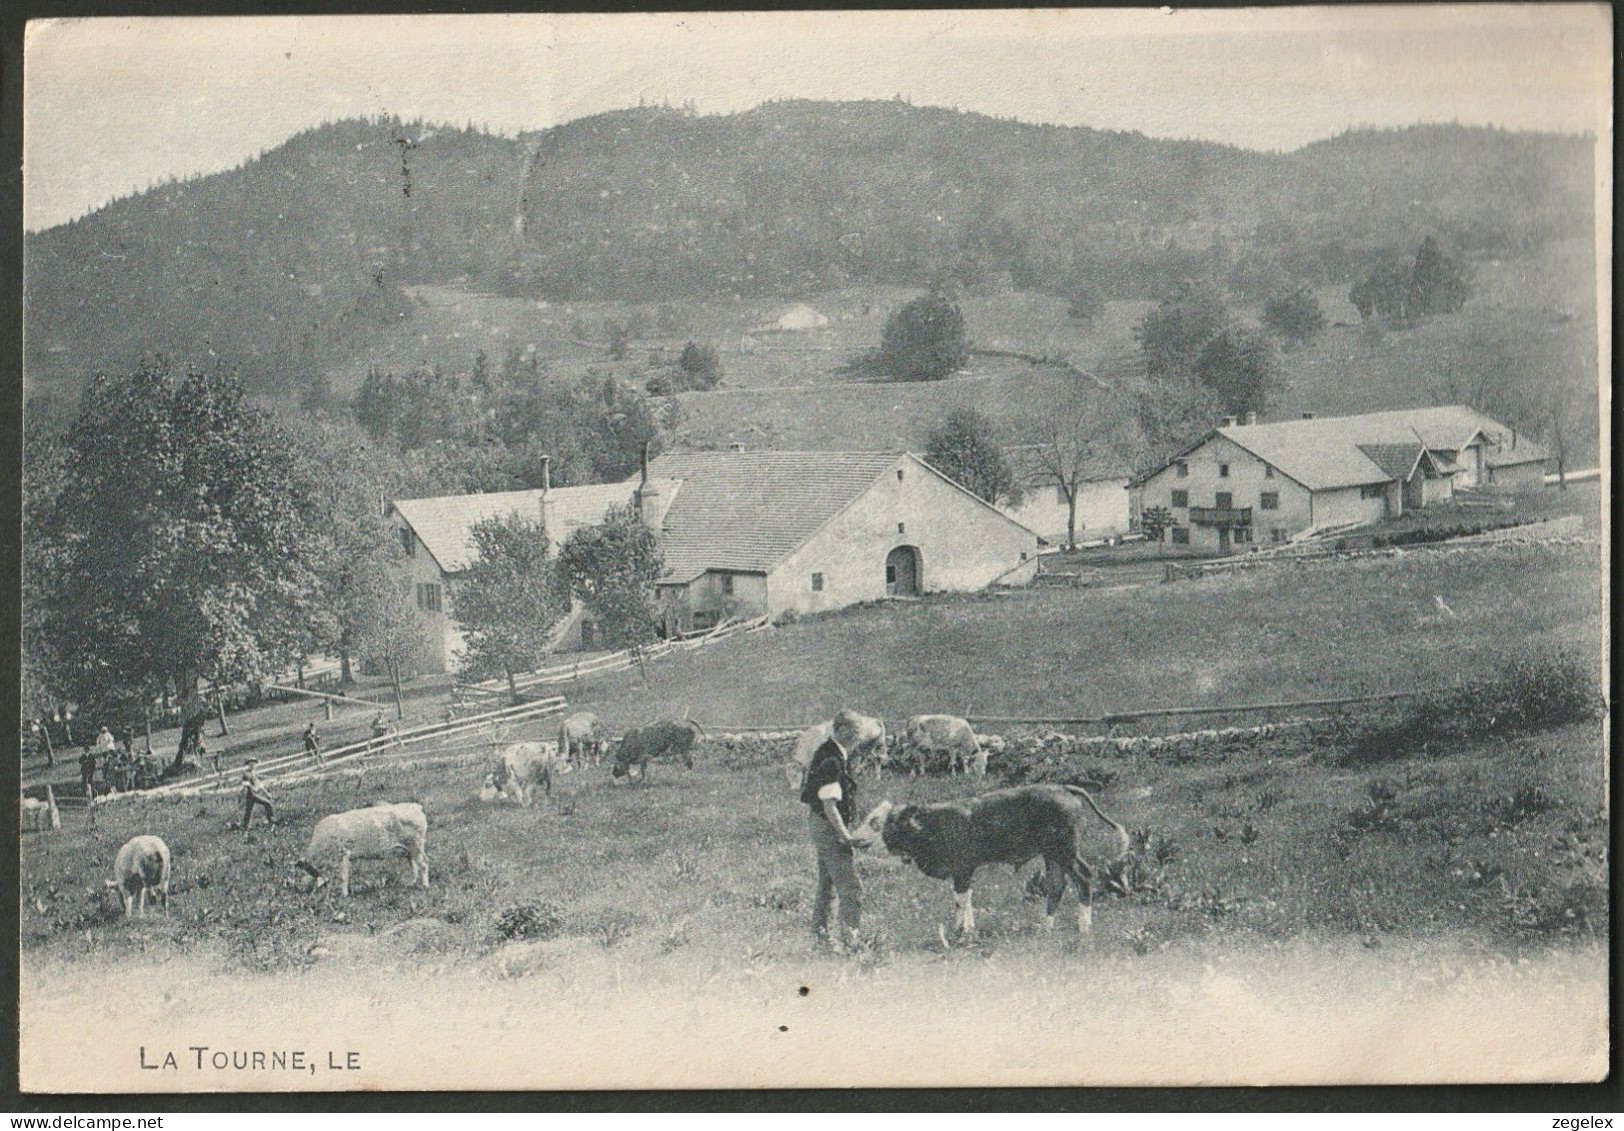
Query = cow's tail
x=1124 y=842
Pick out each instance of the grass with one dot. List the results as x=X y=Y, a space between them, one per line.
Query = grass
x=1275 y=888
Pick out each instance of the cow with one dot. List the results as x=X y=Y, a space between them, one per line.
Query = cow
x=142 y=865
x=862 y=737
x=522 y=766
x=950 y=840
x=581 y=738
x=673 y=738
x=949 y=735
x=375 y=833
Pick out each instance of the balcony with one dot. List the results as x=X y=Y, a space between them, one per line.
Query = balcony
x=1221 y=516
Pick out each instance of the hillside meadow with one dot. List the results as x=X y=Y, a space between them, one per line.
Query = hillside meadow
x=1277 y=884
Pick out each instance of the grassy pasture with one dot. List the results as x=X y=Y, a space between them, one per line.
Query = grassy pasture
x=715 y=859
x=1282 y=886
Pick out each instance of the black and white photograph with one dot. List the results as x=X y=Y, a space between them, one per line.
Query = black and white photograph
x=820 y=549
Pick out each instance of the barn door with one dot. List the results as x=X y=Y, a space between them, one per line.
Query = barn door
x=902 y=572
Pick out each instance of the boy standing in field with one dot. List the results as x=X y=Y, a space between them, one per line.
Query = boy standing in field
x=253 y=795
x=312 y=744
x=830 y=794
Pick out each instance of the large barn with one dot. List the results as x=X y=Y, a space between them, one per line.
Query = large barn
x=773 y=532
x=745 y=533
x=1245 y=483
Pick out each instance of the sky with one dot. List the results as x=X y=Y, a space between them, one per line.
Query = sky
x=113 y=105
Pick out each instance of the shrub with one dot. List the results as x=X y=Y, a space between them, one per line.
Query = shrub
x=538 y=921
x=1535 y=689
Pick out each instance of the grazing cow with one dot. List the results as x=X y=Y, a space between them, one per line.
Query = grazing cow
x=524 y=765
x=674 y=738
x=375 y=833
x=1007 y=826
x=862 y=737
x=581 y=738
x=949 y=735
x=142 y=865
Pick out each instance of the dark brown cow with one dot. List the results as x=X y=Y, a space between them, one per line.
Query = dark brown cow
x=673 y=738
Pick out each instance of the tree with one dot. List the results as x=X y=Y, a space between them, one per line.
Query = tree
x=181 y=548
x=1238 y=366
x=1086 y=436
x=611 y=568
x=1385 y=292
x=966 y=449
x=1294 y=315
x=1438 y=282
x=1154 y=523
x=509 y=600
x=1172 y=336
x=701 y=366
x=924 y=340
x=382 y=627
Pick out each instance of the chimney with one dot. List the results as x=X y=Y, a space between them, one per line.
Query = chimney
x=1251 y=418
x=546 y=501
x=735 y=446
x=1308 y=416
x=1229 y=422
x=647 y=498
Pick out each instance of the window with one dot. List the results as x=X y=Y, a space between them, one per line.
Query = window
x=1223 y=500
x=727 y=585
x=1181 y=535
x=902 y=528
x=1372 y=490
x=1181 y=469
x=1243 y=534
x=817 y=578
x=428 y=596
x=899 y=475
x=408 y=542
x=1223 y=471
x=1269 y=501
x=1181 y=498
x=1268 y=472
x=1023 y=555
x=1276 y=534
x=1060 y=497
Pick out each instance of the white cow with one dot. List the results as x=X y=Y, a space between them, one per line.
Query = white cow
x=949 y=735
x=582 y=738
x=375 y=833
x=521 y=767
x=142 y=865
x=862 y=737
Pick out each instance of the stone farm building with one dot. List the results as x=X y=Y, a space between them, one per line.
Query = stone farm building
x=1246 y=483
x=1102 y=498
x=745 y=533
x=435 y=535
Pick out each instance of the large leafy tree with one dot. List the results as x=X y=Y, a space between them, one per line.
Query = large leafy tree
x=1294 y=315
x=611 y=568
x=966 y=449
x=510 y=599
x=178 y=540
x=1172 y=336
x=1438 y=282
x=1088 y=434
x=1238 y=365
x=924 y=340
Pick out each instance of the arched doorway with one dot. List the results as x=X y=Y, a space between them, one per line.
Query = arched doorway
x=902 y=572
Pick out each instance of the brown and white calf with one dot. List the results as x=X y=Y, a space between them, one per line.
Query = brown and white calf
x=951 y=840
x=948 y=735
x=142 y=865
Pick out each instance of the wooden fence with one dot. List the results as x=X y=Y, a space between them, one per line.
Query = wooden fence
x=612 y=662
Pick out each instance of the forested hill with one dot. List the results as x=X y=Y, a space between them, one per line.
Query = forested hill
x=276 y=267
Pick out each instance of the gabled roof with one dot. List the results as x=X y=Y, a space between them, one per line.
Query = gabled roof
x=1328 y=451
x=1396 y=461
x=748 y=511
x=443 y=523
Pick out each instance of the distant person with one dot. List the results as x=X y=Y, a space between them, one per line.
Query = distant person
x=254 y=795
x=380 y=727
x=104 y=743
x=312 y=743
x=87 y=771
x=830 y=794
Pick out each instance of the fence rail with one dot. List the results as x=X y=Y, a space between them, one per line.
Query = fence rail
x=614 y=661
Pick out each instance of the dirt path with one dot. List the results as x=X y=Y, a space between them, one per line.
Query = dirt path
x=571 y=1013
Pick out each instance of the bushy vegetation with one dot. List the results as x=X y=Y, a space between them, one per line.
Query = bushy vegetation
x=1533 y=689
x=923 y=340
